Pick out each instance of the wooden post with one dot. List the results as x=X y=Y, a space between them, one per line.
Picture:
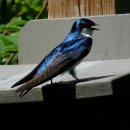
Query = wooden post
x=79 y=8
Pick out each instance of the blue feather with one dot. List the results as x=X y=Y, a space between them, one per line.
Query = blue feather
x=77 y=43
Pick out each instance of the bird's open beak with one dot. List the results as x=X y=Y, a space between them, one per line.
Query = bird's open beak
x=93 y=28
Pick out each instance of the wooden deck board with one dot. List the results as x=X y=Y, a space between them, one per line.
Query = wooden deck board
x=100 y=87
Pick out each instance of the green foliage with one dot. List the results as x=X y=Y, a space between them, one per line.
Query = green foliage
x=13 y=16
x=9 y=40
x=26 y=9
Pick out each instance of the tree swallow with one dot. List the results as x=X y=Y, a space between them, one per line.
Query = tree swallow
x=63 y=58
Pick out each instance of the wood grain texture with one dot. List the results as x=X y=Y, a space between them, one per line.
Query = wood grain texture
x=104 y=7
x=108 y=7
x=64 y=8
x=80 y=8
x=98 y=8
x=58 y=8
x=70 y=8
x=76 y=8
x=111 y=7
x=87 y=7
x=92 y=7
x=82 y=4
x=51 y=9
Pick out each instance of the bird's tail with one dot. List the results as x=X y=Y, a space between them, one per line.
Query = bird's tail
x=25 y=79
x=25 y=88
x=28 y=76
x=37 y=80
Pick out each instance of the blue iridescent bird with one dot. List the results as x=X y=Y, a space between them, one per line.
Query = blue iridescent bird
x=63 y=58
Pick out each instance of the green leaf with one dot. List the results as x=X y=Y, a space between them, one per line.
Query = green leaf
x=17 y=22
x=11 y=28
x=2 y=27
x=10 y=44
x=12 y=38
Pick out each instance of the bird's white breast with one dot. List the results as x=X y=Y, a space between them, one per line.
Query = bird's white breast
x=86 y=35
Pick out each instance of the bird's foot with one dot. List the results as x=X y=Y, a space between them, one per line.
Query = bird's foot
x=56 y=82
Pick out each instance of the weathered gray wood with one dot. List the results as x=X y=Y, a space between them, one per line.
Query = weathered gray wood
x=39 y=37
x=104 y=86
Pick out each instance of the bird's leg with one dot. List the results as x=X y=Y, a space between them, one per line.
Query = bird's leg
x=73 y=73
x=51 y=81
x=76 y=78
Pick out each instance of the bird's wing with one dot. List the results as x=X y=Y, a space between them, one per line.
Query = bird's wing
x=61 y=63
x=32 y=74
x=42 y=65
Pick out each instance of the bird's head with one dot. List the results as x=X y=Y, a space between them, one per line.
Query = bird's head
x=82 y=23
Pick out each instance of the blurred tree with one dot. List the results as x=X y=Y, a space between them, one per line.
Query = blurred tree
x=13 y=15
x=27 y=9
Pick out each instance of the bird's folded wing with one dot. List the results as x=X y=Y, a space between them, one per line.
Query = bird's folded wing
x=60 y=64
